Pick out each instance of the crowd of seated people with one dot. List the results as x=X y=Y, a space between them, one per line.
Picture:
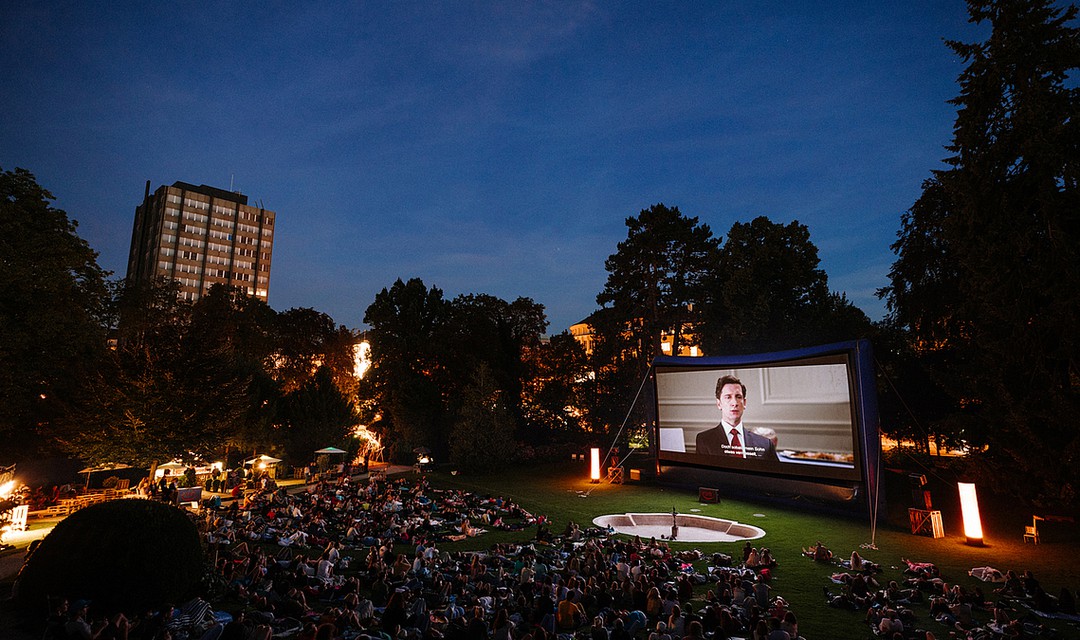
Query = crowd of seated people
x=958 y=612
x=327 y=563
x=363 y=560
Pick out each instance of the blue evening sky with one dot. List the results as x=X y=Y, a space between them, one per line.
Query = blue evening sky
x=486 y=147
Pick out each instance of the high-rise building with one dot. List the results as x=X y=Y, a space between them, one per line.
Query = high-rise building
x=201 y=236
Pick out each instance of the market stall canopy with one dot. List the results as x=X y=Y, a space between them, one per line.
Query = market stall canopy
x=105 y=467
x=263 y=459
x=174 y=465
x=330 y=450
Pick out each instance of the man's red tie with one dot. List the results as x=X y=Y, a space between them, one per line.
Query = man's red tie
x=736 y=445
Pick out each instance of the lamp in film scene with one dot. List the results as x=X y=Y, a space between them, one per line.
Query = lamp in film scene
x=969 y=507
x=594 y=473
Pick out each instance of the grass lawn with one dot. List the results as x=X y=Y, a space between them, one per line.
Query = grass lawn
x=562 y=493
x=559 y=492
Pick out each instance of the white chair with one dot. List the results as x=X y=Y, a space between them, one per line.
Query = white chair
x=18 y=517
x=1032 y=532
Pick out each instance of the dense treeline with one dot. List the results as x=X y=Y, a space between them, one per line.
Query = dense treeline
x=979 y=349
x=987 y=281
x=107 y=372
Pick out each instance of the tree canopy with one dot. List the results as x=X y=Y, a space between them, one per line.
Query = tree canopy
x=986 y=274
x=53 y=314
x=766 y=288
x=426 y=352
x=482 y=437
x=655 y=278
x=408 y=329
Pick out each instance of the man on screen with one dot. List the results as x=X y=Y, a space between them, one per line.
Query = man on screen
x=729 y=438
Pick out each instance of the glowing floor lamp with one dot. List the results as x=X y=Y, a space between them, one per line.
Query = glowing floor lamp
x=969 y=506
x=594 y=476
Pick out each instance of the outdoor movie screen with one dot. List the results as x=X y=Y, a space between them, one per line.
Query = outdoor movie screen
x=796 y=417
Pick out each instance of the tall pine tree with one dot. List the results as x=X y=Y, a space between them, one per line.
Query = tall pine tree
x=987 y=276
x=654 y=280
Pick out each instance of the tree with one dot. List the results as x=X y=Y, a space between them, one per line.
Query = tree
x=483 y=435
x=222 y=364
x=133 y=390
x=985 y=277
x=306 y=339
x=243 y=325
x=408 y=328
x=554 y=396
x=483 y=330
x=769 y=293
x=184 y=381
x=316 y=415
x=655 y=279
x=53 y=311
x=116 y=553
x=903 y=373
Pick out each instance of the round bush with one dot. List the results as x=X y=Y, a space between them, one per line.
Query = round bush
x=122 y=554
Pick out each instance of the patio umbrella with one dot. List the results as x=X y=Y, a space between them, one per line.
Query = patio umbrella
x=104 y=467
x=263 y=459
x=329 y=450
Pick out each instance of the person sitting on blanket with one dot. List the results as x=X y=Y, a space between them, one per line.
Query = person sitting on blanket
x=1040 y=599
x=818 y=552
x=1013 y=585
x=939 y=610
x=465 y=528
x=920 y=568
x=890 y=624
x=1002 y=624
x=858 y=563
x=324 y=569
x=962 y=613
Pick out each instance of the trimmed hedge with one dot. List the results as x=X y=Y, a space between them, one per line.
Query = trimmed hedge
x=122 y=554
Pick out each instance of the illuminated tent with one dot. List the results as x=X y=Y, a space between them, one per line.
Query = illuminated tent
x=264 y=460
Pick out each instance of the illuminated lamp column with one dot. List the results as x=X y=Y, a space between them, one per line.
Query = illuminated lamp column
x=969 y=507
x=594 y=475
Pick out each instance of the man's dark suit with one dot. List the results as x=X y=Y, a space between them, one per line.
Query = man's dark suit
x=713 y=442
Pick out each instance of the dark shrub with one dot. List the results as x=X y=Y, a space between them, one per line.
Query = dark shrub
x=122 y=554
